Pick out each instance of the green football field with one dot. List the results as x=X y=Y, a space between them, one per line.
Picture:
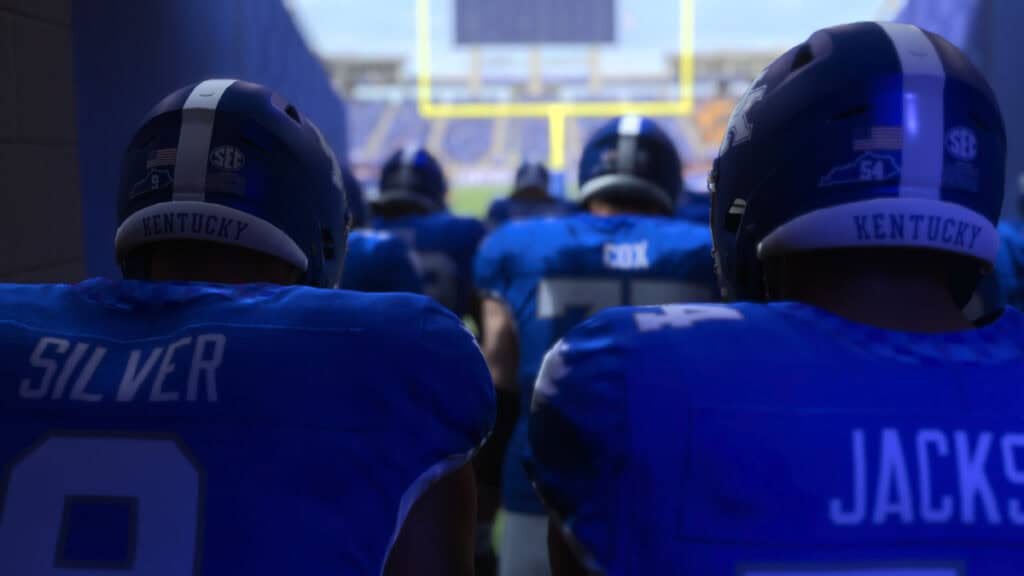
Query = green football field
x=473 y=200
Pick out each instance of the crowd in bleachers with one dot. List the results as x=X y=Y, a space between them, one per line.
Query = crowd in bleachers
x=378 y=127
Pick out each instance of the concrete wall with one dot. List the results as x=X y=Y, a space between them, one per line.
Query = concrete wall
x=40 y=204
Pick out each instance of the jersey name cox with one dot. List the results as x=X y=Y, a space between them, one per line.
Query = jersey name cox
x=882 y=491
x=184 y=370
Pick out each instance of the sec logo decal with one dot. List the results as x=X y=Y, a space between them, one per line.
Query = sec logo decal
x=227 y=158
x=962 y=144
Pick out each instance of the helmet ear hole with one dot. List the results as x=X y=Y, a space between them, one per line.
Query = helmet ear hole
x=293 y=113
x=734 y=216
x=804 y=56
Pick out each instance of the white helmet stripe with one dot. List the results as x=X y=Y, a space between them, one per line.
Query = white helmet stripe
x=629 y=126
x=197 y=118
x=924 y=82
x=406 y=173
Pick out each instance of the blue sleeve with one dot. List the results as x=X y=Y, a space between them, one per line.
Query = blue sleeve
x=456 y=383
x=492 y=269
x=578 y=429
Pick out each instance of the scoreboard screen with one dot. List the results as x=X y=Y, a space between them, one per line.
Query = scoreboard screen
x=534 y=21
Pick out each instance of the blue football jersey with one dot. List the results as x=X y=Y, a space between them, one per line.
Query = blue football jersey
x=503 y=210
x=554 y=273
x=377 y=261
x=443 y=246
x=781 y=440
x=1009 y=270
x=168 y=429
x=697 y=208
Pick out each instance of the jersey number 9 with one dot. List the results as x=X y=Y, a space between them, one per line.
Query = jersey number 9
x=75 y=504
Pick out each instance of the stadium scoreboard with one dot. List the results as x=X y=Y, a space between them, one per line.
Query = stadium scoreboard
x=483 y=22
x=572 y=23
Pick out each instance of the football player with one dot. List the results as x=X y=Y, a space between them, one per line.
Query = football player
x=857 y=422
x=162 y=425
x=376 y=261
x=541 y=277
x=411 y=205
x=529 y=198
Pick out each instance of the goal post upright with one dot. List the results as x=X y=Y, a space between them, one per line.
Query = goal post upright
x=555 y=112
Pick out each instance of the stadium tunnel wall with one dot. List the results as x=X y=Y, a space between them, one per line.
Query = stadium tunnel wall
x=988 y=32
x=128 y=54
x=40 y=223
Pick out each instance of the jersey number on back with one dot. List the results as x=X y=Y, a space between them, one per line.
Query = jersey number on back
x=556 y=296
x=75 y=504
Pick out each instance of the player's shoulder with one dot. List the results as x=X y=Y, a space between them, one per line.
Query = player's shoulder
x=389 y=317
x=782 y=332
x=684 y=230
x=664 y=322
x=452 y=221
x=526 y=239
x=131 y=306
x=583 y=224
x=370 y=237
x=375 y=242
x=452 y=229
x=26 y=301
x=518 y=230
x=694 y=332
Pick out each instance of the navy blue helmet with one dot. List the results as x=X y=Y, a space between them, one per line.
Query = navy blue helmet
x=631 y=158
x=231 y=162
x=531 y=175
x=413 y=176
x=865 y=135
x=358 y=213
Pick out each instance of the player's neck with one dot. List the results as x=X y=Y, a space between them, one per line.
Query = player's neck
x=905 y=303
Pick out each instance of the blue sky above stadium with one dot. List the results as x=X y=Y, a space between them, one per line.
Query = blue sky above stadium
x=387 y=27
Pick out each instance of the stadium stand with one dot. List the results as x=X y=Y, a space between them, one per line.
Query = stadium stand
x=467 y=140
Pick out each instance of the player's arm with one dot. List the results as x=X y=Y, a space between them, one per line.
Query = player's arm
x=501 y=351
x=475 y=310
x=474 y=307
x=578 y=435
x=456 y=398
x=437 y=537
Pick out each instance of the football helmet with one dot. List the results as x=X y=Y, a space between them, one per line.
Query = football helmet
x=631 y=157
x=866 y=135
x=232 y=162
x=531 y=175
x=412 y=176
